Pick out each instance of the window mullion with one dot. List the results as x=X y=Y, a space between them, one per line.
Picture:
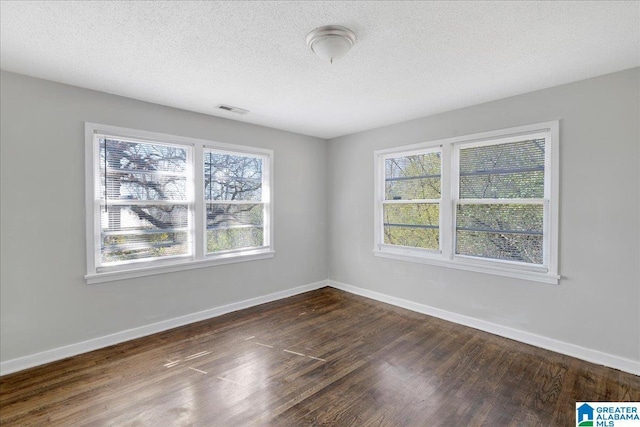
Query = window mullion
x=447 y=211
x=232 y=202
x=198 y=228
x=412 y=202
x=136 y=202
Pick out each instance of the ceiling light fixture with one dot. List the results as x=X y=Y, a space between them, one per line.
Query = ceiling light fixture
x=331 y=41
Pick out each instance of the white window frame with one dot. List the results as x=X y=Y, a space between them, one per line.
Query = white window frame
x=198 y=258
x=382 y=201
x=446 y=257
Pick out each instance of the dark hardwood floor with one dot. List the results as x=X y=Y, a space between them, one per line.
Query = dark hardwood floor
x=324 y=358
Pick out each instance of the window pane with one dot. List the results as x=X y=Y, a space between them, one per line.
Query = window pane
x=503 y=171
x=508 y=247
x=498 y=217
x=234 y=226
x=413 y=177
x=227 y=239
x=426 y=238
x=507 y=232
x=412 y=213
x=123 y=185
x=232 y=177
x=139 y=232
x=414 y=225
x=141 y=171
x=411 y=189
x=142 y=156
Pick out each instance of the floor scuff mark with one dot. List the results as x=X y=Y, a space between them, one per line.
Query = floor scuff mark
x=196 y=355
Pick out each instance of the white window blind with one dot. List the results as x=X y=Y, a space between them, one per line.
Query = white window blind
x=501 y=206
x=145 y=208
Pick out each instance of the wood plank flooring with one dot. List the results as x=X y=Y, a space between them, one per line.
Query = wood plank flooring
x=324 y=358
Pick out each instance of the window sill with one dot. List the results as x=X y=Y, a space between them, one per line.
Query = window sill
x=516 y=273
x=110 y=276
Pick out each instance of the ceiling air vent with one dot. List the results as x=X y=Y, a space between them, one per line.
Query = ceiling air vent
x=232 y=109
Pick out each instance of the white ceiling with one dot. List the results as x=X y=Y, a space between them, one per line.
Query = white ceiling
x=411 y=59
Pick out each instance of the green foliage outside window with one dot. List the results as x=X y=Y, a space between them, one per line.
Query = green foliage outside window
x=509 y=231
x=416 y=179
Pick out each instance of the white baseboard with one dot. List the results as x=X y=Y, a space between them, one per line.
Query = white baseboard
x=52 y=355
x=590 y=355
x=593 y=356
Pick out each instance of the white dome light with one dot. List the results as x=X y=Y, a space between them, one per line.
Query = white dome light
x=331 y=42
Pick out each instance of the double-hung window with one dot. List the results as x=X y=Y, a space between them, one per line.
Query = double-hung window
x=235 y=199
x=484 y=202
x=158 y=203
x=411 y=203
x=500 y=201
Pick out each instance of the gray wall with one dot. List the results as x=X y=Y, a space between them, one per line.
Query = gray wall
x=45 y=302
x=597 y=303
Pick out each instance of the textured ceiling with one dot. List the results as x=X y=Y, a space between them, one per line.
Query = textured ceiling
x=411 y=59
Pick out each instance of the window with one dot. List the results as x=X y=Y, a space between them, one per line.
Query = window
x=411 y=205
x=158 y=203
x=485 y=202
x=500 y=199
x=235 y=203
